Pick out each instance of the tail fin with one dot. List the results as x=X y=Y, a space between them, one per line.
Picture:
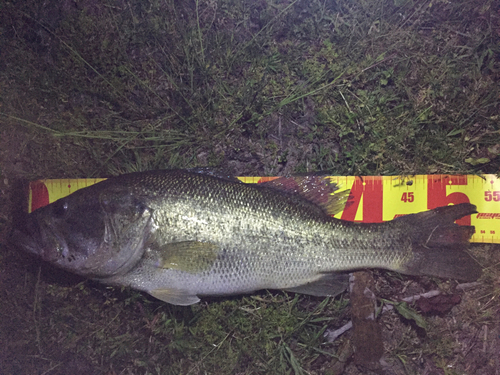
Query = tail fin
x=439 y=245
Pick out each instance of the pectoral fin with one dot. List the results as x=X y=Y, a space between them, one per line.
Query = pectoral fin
x=175 y=296
x=187 y=256
x=330 y=284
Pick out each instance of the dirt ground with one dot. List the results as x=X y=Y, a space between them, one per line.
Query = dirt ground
x=95 y=89
x=464 y=338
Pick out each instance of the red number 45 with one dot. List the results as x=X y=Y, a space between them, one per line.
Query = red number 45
x=408 y=197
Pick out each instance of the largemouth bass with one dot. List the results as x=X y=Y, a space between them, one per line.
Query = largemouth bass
x=179 y=235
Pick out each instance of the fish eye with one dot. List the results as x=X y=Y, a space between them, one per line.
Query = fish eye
x=60 y=208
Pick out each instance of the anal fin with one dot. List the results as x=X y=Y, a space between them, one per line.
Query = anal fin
x=330 y=284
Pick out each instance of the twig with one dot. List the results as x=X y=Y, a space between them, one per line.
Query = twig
x=331 y=336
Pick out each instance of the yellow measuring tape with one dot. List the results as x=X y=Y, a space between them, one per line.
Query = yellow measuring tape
x=372 y=198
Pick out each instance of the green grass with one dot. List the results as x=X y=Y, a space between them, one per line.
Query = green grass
x=407 y=89
x=128 y=331
x=94 y=89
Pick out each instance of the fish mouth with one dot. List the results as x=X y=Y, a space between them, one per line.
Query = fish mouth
x=38 y=238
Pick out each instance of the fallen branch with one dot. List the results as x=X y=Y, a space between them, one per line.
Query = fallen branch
x=332 y=335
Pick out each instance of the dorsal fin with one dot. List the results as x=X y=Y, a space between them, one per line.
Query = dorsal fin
x=214 y=172
x=315 y=189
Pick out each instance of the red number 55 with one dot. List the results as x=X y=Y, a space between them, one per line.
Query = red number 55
x=492 y=195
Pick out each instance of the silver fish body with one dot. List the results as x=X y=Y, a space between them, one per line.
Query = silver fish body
x=180 y=235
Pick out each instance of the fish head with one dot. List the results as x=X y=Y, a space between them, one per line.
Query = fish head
x=94 y=233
